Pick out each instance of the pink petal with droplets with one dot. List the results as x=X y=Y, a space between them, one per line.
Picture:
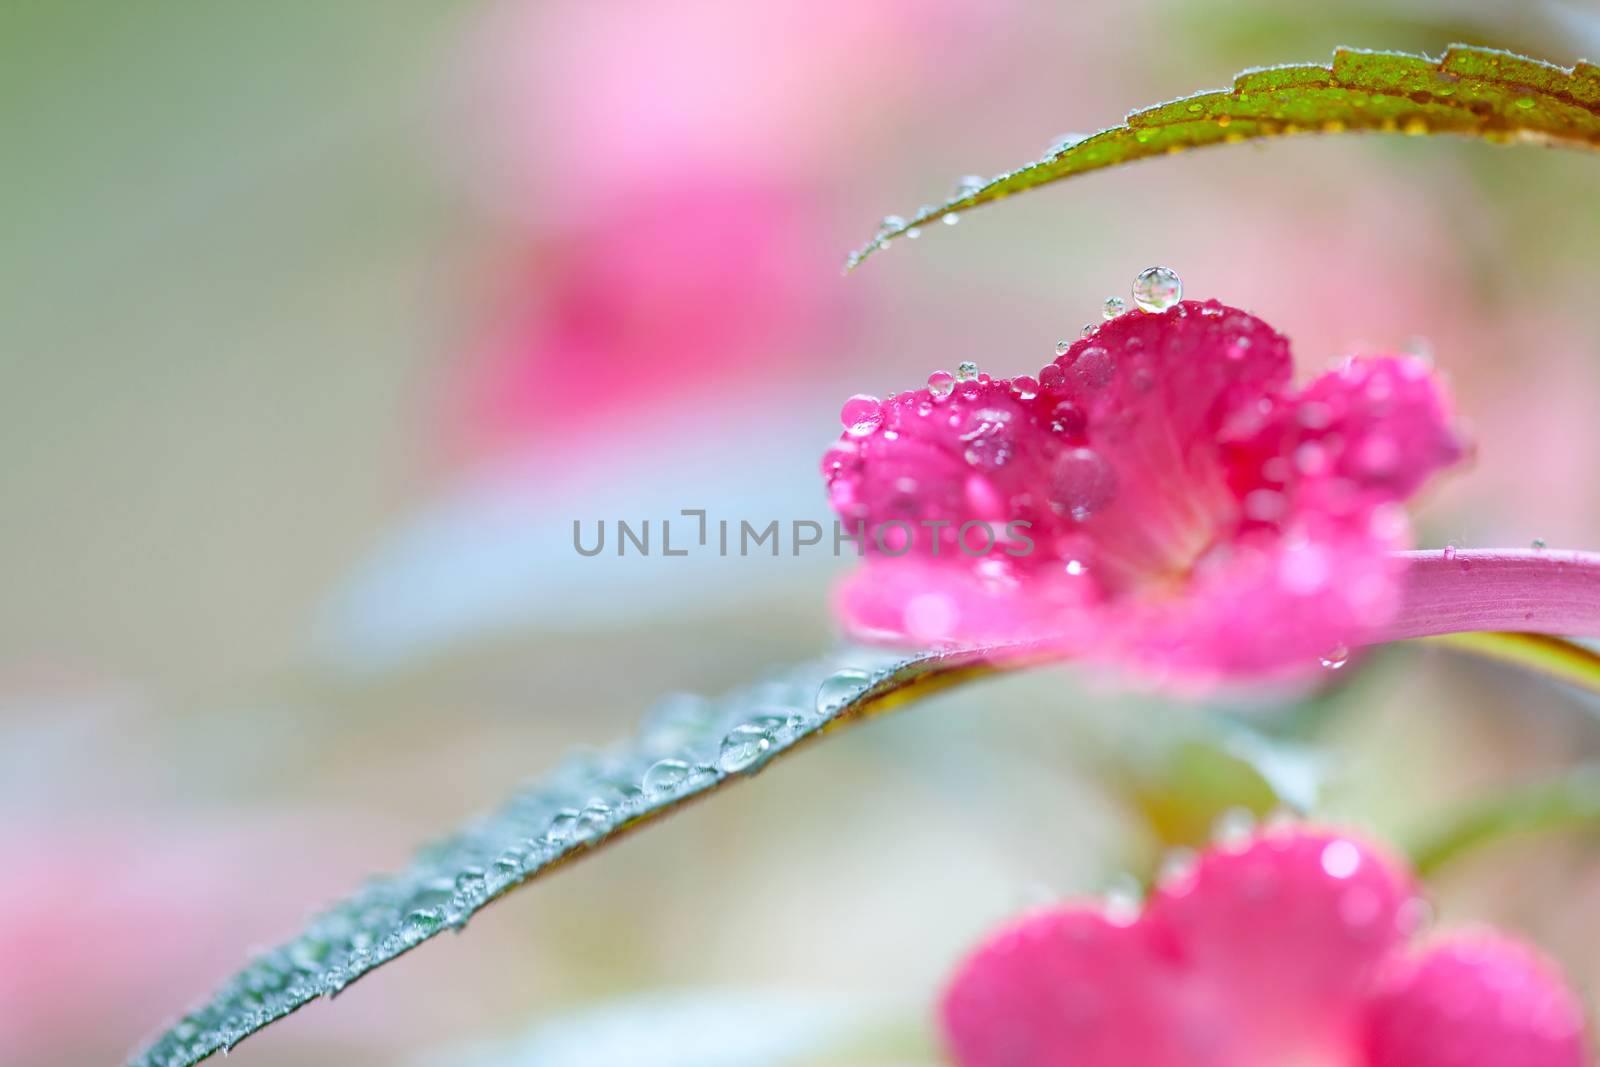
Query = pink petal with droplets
x=1188 y=513
x=1477 y=1000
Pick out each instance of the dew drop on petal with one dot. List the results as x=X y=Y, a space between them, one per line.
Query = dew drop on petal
x=1538 y=543
x=966 y=371
x=1081 y=483
x=861 y=414
x=940 y=382
x=1336 y=657
x=1095 y=366
x=1234 y=828
x=1157 y=289
x=1114 y=306
x=1340 y=859
x=1062 y=347
x=1025 y=386
x=1450 y=550
x=1068 y=419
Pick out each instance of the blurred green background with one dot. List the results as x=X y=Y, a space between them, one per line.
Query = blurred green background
x=322 y=322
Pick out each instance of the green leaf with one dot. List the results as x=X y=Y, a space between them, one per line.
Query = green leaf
x=1479 y=92
x=1562 y=803
x=1554 y=657
x=686 y=748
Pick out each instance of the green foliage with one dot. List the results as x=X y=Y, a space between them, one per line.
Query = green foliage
x=685 y=748
x=1481 y=92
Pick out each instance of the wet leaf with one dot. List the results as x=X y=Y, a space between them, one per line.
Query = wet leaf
x=1479 y=92
x=686 y=748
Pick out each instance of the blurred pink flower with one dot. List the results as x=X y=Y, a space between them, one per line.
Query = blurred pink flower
x=1160 y=497
x=664 y=295
x=674 y=171
x=1288 y=948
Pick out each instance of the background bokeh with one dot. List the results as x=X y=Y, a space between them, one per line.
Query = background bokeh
x=321 y=323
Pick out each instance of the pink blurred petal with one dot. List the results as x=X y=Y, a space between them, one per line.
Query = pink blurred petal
x=1067 y=987
x=1283 y=949
x=1282 y=938
x=1476 y=1000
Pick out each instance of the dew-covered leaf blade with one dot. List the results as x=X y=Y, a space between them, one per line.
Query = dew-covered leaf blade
x=1480 y=92
x=686 y=748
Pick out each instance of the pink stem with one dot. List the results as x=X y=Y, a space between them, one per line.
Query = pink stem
x=1459 y=591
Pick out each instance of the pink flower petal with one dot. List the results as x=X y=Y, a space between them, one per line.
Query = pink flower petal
x=1260 y=954
x=1185 y=511
x=1066 y=987
x=1283 y=938
x=1475 y=1001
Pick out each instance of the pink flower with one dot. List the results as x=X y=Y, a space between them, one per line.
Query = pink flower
x=1287 y=949
x=1159 y=497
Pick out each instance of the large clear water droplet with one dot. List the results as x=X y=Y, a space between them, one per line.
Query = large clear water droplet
x=664 y=776
x=1335 y=658
x=966 y=371
x=1095 y=366
x=745 y=746
x=1114 y=306
x=861 y=415
x=1081 y=483
x=1157 y=289
x=840 y=688
x=940 y=382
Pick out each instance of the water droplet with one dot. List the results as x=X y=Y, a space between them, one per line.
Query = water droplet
x=744 y=746
x=861 y=414
x=1177 y=870
x=664 y=776
x=1234 y=828
x=940 y=382
x=913 y=233
x=966 y=371
x=1025 y=386
x=1114 y=306
x=1064 y=142
x=1081 y=483
x=1538 y=543
x=1157 y=289
x=1088 y=330
x=1336 y=658
x=421 y=922
x=1095 y=366
x=1068 y=419
x=593 y=820
x=890 y=224
x=1340 y=859
x=839 y=688
x=951 y=219
x=1062 y=347
x=968 y=185
x=1124 y=898
x=1450 y=550
x=563 y=826
x=1076 y=567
